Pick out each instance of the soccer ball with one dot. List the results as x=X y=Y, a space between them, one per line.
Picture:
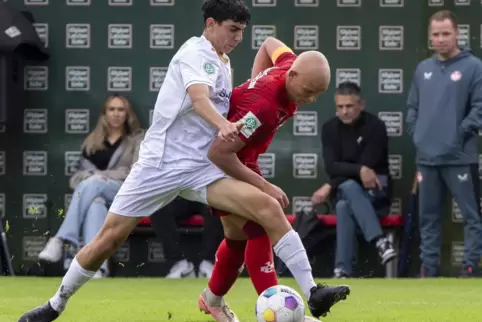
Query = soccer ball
x=280 y=304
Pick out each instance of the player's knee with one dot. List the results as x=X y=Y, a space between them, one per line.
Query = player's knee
x=253 y=230
x=270 y=214
x=233 y=232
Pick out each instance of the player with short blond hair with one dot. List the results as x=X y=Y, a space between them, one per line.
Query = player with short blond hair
x=280 y=81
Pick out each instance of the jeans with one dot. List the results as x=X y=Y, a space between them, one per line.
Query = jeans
x=88 y=209
x=354 y=209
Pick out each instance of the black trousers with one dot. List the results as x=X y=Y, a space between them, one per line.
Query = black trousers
x=165 y=223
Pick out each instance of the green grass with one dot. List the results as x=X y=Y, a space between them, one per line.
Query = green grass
x=150 y=299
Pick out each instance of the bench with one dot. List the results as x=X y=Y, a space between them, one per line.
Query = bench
x=391 y=224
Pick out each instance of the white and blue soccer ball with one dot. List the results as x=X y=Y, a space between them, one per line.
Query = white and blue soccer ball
x=280 y=304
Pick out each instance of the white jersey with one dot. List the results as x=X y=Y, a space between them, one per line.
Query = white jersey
x=178 y=137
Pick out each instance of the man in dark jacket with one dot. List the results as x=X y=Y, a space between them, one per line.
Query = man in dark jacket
x=444 y=117
x=355 y=153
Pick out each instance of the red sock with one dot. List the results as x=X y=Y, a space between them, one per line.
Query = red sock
x=229 y=259
x=260 y=263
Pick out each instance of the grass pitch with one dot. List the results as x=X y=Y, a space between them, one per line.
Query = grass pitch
x=157 y=299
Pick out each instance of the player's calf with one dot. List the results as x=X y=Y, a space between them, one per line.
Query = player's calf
x=259 y=257
x=84 y=266
x=229 y=261
x=111 y=236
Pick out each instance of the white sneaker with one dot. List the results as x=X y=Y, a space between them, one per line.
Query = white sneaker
x=103 y=271
x=311 y=319
x=182 y=269
x=53 y=250
x=205 y=269
x=100 y=274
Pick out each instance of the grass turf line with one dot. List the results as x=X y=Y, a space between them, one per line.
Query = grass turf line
x=153 y=299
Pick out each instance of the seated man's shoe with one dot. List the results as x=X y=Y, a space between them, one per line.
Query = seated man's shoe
x=182 y=269
x=205 y=269
x=340 y=273
x=385 y=250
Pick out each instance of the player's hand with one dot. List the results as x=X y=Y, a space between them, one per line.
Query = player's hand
x=277 y=193
x=229 y=131
x=369 y=178
x=321 y=195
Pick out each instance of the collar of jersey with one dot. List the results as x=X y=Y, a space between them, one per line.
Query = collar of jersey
x=224 y=58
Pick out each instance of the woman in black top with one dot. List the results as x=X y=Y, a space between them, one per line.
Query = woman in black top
x=108 y=153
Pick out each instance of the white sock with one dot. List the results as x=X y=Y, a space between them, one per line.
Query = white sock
x=213 y=299
x=291 y=251
x=75 y=277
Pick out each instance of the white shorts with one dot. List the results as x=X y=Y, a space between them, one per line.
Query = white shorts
x=147 y=188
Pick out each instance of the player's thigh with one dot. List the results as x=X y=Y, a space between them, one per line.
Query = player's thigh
x=145 y=190
x=233 y=227
x=242 y=199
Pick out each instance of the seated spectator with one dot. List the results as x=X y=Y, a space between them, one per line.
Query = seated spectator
x=164 y=221
x=355 y=153
x=108 y=153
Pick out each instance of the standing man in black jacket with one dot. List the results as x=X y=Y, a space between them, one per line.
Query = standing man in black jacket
x=355 y=153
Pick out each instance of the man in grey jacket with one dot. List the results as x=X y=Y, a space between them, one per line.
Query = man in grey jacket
x=444 y=116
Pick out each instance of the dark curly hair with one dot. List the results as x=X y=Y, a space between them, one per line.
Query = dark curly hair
x=222 y=10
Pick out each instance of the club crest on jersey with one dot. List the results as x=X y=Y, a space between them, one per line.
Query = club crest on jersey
x=251 y=123
x=208 y=68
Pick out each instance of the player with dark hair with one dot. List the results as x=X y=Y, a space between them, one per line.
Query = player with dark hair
x=173 y=156
x=280 y=81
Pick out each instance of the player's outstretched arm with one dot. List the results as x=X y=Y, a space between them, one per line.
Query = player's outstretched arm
x=267 y=55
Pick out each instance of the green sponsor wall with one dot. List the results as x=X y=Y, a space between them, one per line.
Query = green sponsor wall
x=125 y=46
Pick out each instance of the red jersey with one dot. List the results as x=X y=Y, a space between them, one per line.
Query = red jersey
x=263 y=104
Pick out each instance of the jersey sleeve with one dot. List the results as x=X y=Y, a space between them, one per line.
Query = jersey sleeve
x=258 y=116
x=198 y=68
x=282 y=56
